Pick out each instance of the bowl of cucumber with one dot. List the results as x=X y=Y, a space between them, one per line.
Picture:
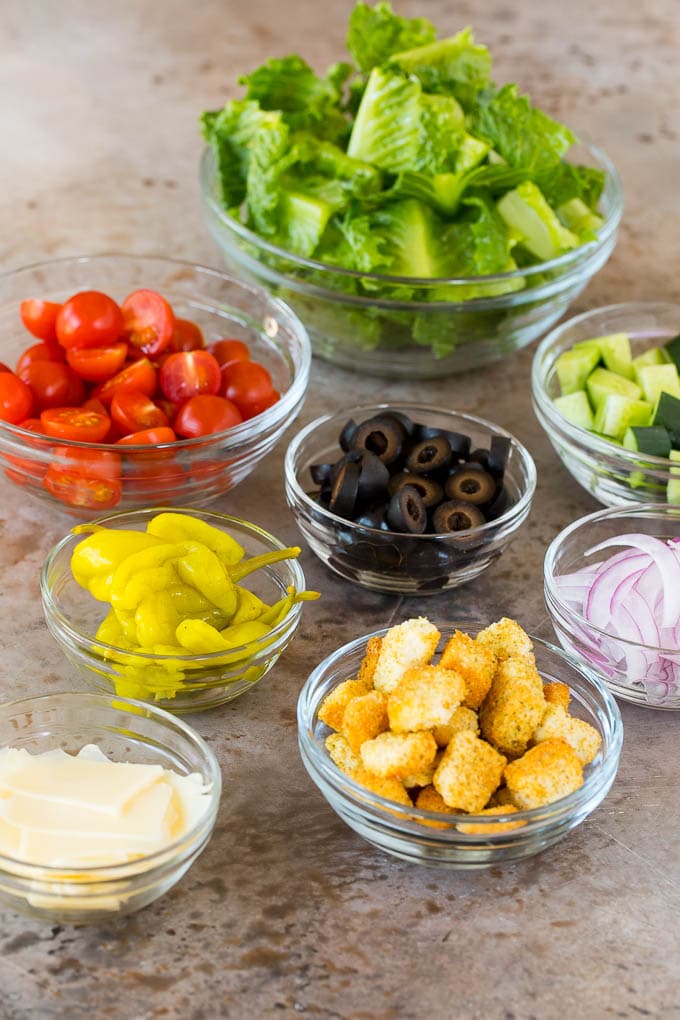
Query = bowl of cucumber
x=606 y=390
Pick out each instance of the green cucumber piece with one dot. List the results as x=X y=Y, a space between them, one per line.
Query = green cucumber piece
x=573 y=368
x=601 y=383
x=653 y=356
x=616 y=413
x=672 y=349
x=673 y=487
x=667 y=413
x=575 y=407
x=657 y=379
x=652 y=440
x=614 y=351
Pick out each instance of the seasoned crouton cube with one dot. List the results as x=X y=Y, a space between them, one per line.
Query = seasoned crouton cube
x=469 y=772
x=408 y=644
x=514 y=706
x=426 y=696
x=462 y=719
x=423 y=778
x=398 y=754
x=342 y=754
x=474 y=661
x=556 y=693
x=547 y=772
x=506 y=638
x=484 y=830
x=429 y=800
x=384 y=786
x=501 y=798
x=369 y=661
x=364 y=718
x=583 y=737
x=334 y=704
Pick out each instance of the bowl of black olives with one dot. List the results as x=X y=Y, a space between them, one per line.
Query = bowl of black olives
x=408 y=498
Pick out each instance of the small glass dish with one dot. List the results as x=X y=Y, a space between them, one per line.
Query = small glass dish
x=613 y=475
x=186 y=472
x=124 y=731
x=428 y=837
x=632 y=671
x=178 y=683
x=403 y=327
x=390 y=561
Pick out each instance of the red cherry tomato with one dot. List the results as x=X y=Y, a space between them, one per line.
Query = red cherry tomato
x=228 y=351
x=16 y=398
x=32 y=425
x=189 y=373
x=148 y=321
x=133 y=411
x=80 y=489
x=139 y=375
x=205 y=414
x=248 y=385
x=74 y=423
x=38 y=352
x=150 y=437
x=89 y=319
x=5 y=368
x=92 y=404
x=93 y=463
x=25 y=471
x=40 y=318
x=53 y=384
x=186 y=336
x=97 y=363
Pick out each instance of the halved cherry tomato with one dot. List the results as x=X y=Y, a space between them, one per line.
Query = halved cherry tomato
x=139 y=375
x=93 y=404
x=40 y=318
x=97 y=363
x=161 y=482
x=186 y=336
x=205 y=414
x=16 y=398
x=26 y=471
x=5 y=368
x=93 y=463
x=228 y=351
x=38 y=352
x=89 y=319
x=32 y=425
x=248 y=385
x=152 y=437
x=188 y=373
x=75 y=423
x=53 y=384
x=148 y=321
x=79 y=489
x=133 y=411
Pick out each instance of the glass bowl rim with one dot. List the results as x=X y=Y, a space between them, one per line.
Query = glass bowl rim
x=302 y=498
x=140 y=865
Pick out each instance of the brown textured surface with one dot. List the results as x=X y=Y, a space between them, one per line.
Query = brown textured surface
x=288 y=913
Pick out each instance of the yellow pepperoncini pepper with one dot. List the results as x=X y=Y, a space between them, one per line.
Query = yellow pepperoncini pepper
x=95 y=559
x=179 y=528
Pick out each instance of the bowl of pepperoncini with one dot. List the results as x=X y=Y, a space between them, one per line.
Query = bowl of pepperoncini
x=184 y=608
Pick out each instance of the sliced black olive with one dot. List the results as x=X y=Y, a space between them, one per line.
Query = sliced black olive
x=353 y=456
x=501 y=503
x=321 y=473
x=458 y=441
x=499 y=451
x=430 y=491
x=373 y=517
x=381 y=435
x=345 y=437
x=403 y=419
x=456 y=515
x=406 y=511
x=429 y=455
x=471 y=483
x=373 y=479
x=480 y=457
x=345 y=488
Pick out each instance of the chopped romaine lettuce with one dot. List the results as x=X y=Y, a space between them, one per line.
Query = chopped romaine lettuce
x=455 y=66
x=375 y=33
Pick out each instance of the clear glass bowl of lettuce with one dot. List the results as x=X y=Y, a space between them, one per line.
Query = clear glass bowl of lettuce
x=418 y=218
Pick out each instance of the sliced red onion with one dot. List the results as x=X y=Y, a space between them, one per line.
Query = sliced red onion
x=666 y=560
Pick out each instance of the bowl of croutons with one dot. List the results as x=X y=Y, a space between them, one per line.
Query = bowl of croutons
x=454 y=750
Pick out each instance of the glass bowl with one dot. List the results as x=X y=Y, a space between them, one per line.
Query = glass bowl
x=124 y=731
x=400 y=326
x=179 y=683
x=428 y=837
x=187 y=472
x=631 y=670
x=386 y=560
x=613 y=475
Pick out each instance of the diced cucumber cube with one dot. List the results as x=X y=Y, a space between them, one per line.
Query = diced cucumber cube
x=614 y=351
x=573 y=367
x=601 y=383
x=575 y=407
x=657 y=379
x=653 y=356
x=672 y=349
x=673 y=487
x=667 y=413
x=652 y=440
x=617 y=412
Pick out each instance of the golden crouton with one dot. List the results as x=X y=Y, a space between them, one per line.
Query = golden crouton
x=364 y=718
x=475 y=663
x=334 y=704
x=398 y=754
x=384 y=786
x=556 y=693
x=429 y=800
x=514 y=706
x=423 y=778
x=484 y=830
x=408 y=644
x=501 y=798
x=426 y=696
x=342 y=754
x=547 y=772
x=583 y=737
x=369 y=662
x=469 y=772
x=462 y=719
x=506 y=638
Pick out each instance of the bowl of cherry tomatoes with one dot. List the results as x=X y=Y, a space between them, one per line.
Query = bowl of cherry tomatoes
x=128 y=381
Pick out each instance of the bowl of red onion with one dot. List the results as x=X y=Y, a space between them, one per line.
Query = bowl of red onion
x=612 y=589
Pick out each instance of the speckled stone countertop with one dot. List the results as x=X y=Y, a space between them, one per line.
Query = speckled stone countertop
x=288 y=912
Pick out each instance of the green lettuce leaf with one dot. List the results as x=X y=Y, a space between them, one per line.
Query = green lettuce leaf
x=570 y=180
x=375 y=33
x=456 y=65
x=290 y=85
x=521 y=134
